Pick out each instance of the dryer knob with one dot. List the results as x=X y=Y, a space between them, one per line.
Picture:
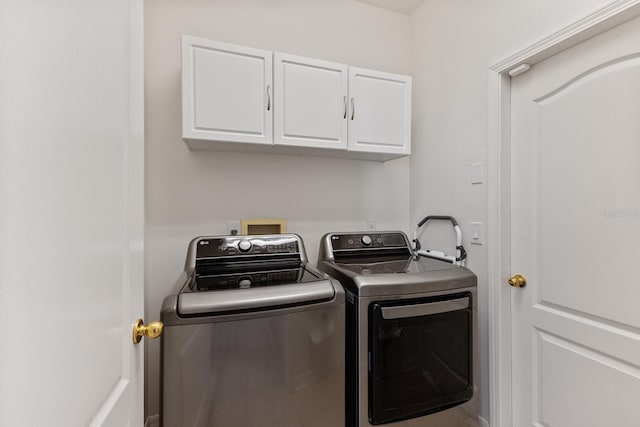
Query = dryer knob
x=366 y=240
x=244 y=245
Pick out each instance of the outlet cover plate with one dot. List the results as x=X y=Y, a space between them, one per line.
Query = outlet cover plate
x=233 y=225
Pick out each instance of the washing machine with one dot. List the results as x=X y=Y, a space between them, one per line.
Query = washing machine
x=253 y=336
x=410 y=326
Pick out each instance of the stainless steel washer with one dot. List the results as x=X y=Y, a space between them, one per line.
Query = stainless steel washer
x=253 y=336
x=409 y=329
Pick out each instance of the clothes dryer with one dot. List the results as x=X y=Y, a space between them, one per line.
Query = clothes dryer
x=410 y=329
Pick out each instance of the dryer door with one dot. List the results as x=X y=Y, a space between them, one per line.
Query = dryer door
x=420 y=356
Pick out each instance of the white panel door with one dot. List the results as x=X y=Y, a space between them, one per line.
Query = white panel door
x=226 y=92
x=71 y=212
x=575 y=235
x=380 y=112
x=310 y=102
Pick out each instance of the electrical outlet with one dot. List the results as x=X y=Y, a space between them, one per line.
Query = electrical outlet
x=371 y=225
x=233 y=227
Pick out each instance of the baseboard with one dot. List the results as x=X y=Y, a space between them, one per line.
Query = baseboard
x=152 y=421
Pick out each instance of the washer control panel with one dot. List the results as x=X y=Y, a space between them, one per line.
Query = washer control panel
x=225 y=246
x=354 y=241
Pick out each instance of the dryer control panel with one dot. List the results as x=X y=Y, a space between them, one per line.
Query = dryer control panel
x=355 y=241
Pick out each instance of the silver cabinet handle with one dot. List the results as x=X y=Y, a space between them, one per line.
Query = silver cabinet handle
x=353 y=108
x=269 y=98
x=344 y=101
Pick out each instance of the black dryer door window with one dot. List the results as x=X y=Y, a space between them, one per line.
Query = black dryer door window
x=420 y=356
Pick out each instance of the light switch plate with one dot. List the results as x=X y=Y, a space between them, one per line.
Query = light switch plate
x=477 y=232
x=477 y=173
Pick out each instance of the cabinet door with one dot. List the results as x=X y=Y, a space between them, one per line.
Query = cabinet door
x=380 y=112
x=310 y=102
x=226 y=93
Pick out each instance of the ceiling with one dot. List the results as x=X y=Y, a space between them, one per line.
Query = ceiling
x=406 y=7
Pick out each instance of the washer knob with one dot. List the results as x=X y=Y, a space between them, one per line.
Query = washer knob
x=244 y=245
x=244 y=282
x=366 y=240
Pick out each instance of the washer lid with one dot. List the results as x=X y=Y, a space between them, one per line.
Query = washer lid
x=254 y=298
x=245 y=275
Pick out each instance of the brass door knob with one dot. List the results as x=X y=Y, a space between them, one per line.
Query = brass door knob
x=152 y=330
x=518 y=281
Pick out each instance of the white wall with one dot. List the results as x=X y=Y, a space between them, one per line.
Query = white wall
x=454 y=43
x=447 y=45
x=195 y=193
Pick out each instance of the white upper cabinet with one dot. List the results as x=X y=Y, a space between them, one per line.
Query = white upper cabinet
x=226 y=93
x=380 y=112
x=310 y=102
x=243 y=99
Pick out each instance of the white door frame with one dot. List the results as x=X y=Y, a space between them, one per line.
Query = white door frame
x=499 y=171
